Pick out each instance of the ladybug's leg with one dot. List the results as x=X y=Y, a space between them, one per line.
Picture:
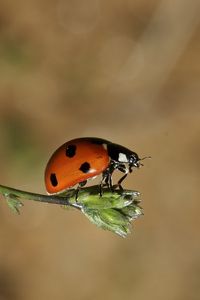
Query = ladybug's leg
x=80 y=185
x=120 y=181
x=106 y=180
x=103 y=182
x=125 y=170
x=109 y=181
x=113 y=166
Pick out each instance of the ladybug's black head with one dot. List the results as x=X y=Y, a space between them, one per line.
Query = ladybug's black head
x=134 y=160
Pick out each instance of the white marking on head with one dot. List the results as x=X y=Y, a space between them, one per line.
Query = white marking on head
x=122 y=158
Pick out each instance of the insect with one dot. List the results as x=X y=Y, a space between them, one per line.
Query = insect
x=81 y=159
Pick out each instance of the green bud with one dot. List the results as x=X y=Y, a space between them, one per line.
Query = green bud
x=113 y=211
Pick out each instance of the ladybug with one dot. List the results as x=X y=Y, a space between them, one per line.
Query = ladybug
x=81 y=159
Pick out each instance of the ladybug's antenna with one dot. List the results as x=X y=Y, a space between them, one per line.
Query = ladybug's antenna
x=146 y=157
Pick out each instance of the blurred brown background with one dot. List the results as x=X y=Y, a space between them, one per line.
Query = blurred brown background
x=127 y=71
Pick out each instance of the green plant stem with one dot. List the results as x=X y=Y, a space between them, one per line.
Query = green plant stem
x=23 y=195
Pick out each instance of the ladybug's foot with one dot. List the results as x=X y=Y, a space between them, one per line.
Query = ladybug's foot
x=109 y=186
x=105 y=182
x=76 y=194
x=112 y=188
x=105 y=185
x=100 y=190
x=117 y=187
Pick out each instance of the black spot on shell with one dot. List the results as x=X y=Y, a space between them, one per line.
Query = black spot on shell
x=71 y=151
x=53 y=179
x=85 y=167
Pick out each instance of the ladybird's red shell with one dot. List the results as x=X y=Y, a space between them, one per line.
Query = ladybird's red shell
x=74 y=162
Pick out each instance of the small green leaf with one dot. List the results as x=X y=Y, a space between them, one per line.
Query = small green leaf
x=13 y=202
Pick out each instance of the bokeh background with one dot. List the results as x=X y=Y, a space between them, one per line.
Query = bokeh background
x=123 y=70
